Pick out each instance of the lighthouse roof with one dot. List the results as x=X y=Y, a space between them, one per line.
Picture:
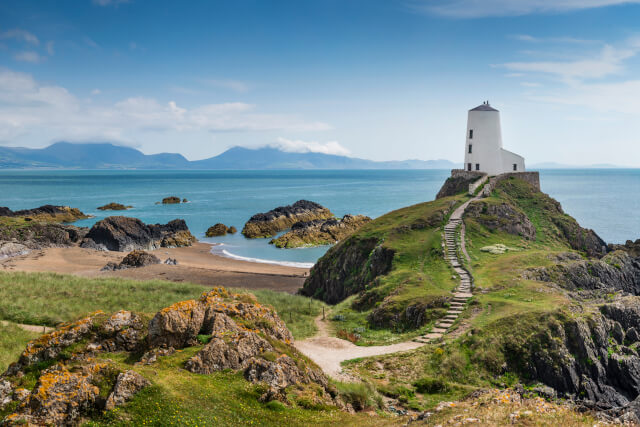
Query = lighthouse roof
x=484 y=107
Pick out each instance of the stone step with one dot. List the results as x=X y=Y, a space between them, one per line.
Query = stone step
x=437 y=330
x=451 y=317
x=454 y=311
x=432 y=336
x=446 y=325
x=463 y=295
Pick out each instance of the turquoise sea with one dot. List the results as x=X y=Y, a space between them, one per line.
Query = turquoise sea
x=605 y=200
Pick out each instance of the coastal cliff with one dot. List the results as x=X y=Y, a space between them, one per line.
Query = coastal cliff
x=557 y=308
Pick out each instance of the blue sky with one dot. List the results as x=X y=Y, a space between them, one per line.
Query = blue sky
x=368 y=78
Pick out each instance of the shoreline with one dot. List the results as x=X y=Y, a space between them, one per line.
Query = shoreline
x=196 y=264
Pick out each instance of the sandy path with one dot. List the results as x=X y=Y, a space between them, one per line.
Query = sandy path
x=329 y=352
x=195 y=264
x=30 y=328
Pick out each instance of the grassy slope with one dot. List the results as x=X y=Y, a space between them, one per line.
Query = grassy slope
x=419 y=273
x=505 y=307
x=50 y=298
x=12 y=342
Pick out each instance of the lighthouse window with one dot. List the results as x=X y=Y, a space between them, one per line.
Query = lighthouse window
x=470 y=133
x=515 y=166
x=477 y=166
x=469 y=167
x=470 y=148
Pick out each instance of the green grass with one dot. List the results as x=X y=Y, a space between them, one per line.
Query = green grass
x=49 y=299
x=180 y=398
x=12 y=342
x=297 y=311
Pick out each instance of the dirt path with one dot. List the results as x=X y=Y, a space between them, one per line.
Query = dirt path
x=329 y=352
x=30 y=328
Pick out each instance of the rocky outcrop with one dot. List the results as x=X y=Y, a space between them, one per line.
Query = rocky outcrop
x=320 y=232
x=347 y=268
x=617 y=271
x=270 y=223
x=631 y=247
x=501 y=217
x=127 y=385
x=458 y=182
x=134 y=259
x=231 y=352
x=120 y=233
x=37 y=235
x=179 y=325
x=114 y=207
x=75 y=376
x=220 y=230
x=591 y=358
x=46 y=213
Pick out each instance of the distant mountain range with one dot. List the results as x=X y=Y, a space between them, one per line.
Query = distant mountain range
x=65 y=155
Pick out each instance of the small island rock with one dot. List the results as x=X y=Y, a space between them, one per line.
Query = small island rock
x=171 y=200
x=114 y=207
x=269 y=223
x=219 y=229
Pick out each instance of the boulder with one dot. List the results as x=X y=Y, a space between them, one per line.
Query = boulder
x=177 y=325
x=11 y=249
x=139 y=259
x=320 y=232
x=124 y=331
x=270 y=223
x=114 y=207
x=120 y=233
x=37 y=235
x=127 y=384
x=171 y=261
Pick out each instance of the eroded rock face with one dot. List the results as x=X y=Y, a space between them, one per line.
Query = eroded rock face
x=125 y=331
x=501 y=217
x=49 y=346
x=617 y=271
x=127 y=385
x=60 y=397
x=119 y=233
x=588 y=358
x=347 y=268
x=227 y=352
x=270 y=223
x=180 y=324
x=37 y=235
x=458 y=183
x=320 y=232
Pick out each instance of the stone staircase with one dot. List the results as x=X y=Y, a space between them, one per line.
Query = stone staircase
x=462 y=292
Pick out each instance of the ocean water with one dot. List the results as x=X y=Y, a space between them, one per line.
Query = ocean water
x=604 y=200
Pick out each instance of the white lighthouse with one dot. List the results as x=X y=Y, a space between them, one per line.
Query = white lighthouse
x=483 y=150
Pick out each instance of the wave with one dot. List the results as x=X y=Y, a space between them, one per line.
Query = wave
x=217 y=250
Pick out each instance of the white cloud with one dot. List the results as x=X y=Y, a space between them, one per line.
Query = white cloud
x=22 y=35
x=234 y=85
x=619 y=97
x=50 y=49
x=29 y=108
x=96 y=92
x=485 y=8
x=609 y=61
x=299 y=146
x=534 y=39
x=89 y=42
x=28 y=56
x=530 y=84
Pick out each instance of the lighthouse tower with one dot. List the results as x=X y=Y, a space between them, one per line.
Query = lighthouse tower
x=483 y=149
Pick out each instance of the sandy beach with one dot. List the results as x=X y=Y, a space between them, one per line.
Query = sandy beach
x=196 y=264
